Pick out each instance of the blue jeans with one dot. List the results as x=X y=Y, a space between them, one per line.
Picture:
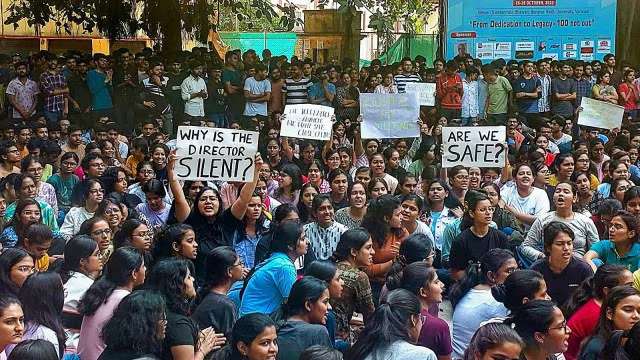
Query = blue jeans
x=220 y=119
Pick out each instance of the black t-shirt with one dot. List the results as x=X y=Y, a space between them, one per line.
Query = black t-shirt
x=109 y=354
x=218 y=311
x=467 y=247
x=296 y=336
x=181 y=330
x=561 y=286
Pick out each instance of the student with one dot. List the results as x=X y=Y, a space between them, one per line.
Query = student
x=64 y=182
x=543 y=329
x=16 y=264
x=392 y=330
x=622 y=247
x=124 y=271
x=37 y=242
x=37 y=349
x=620 y=311
x=154 y=208
x=471 y=297
x=523 y=200
x=305 y=313
x=352 y=216
x=327 y=271
x=412 y=206
x=494 y=340
x=253 y=338
x=519 y=288
x=137 y=327
x=12 y=318
x=584 y=306
x=562 y=271
x=94 y=193
x=223 y=269
x=324 y=233
x=319 y=352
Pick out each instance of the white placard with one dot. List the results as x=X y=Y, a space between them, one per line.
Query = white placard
x=600 y=114
x=426 y=92
x=307 y=121
x=481 y=146
x=216 y=154
x=389 y=116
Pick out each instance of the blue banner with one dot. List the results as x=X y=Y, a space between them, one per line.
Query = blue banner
x=531 y=29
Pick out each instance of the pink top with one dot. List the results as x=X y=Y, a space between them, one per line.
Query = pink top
x=91 y=345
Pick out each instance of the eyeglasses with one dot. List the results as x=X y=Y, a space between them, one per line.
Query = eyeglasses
x=147 y=172
x=98 y=165
x=112 y=210
x=106 y=232
x=69 y=163
x=562 y=326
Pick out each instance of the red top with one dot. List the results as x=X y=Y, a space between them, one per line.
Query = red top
x=582 y=324
x=449 y=91
x=628 y=90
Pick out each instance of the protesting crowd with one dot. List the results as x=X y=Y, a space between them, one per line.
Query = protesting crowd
x=346 y=248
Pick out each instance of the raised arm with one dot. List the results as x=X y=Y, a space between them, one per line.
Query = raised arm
x=239 y=207
x=182 y=207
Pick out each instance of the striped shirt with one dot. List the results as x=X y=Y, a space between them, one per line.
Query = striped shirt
x=297 y=91
x=543 y=102
x=402 y=80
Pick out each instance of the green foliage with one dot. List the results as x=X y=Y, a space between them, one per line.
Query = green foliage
x=163 y=20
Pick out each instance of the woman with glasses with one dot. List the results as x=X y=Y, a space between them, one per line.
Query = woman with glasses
x=620 y=311
x=63 y=183
x=543 y=329
x=136 y=234
x=622 y=247
x=100 y=231
x=217 y=310
x=584 y=230
x=617 y=170
x=471 y=297
x=583 y=164
x=77 y=215
x=144 y=174
x=33 y=166
x=25 y=188
x=619 y=188
x=458 y=181
x=16 y=264
x=80 y=268
x=562 y=271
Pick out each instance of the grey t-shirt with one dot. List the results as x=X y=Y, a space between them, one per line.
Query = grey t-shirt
x=295 y=336
x=559 y=86
x=402 y=350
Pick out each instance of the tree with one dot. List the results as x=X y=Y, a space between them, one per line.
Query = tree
x=162 y=20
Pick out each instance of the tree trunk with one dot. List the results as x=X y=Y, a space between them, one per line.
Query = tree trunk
x=172 y=29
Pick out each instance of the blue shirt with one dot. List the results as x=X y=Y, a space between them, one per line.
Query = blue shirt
x=316 y=92
x=269 y=286
x=100 y=95
x=607 y=253
x=526 y=105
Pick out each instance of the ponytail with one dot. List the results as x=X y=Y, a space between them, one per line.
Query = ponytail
x=606 y=277
x=473 y=277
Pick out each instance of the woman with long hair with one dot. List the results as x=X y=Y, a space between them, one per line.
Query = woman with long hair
x=42 y=298
x=377 y=187
x=563 y=168
x=216 y=310
x=584 y=230
x=80 y=267
x=339 y=181
x=270 y=284
x=354 y=252
x=619 y=188
x=114 y=181
x=33 y=166
x=327 y=271
x=620 y=311
x=587 y=198
x=603 y=90
x=583 y=164
x=284 y=212
x=16 y=264
x=124 y=271
x=114 y=211
x=154 y=208
x=383 y=222
x=307 y=194
x=177 y=241
x=494 y=340
x=617 y=170
x=78 y=214
x=136 y=234
x=290 y=183
x=305 y=316
x=412 y=207
x=415 y=248
x=37 y=241
x=12 y=319
x=212 y=225
x=583 y=308
x=144 y=315
x=477 y=237
x=519 y=288
x=438 y=214
x=522 y=199
x=324 y=233
x=352 y=216
x=471 y=297
x=64 y=181
x=28 y=213
x=505 y=221
x=543 y=329
x=25 y=188
x=173 y=279
x=392 y=330
x=378 y=169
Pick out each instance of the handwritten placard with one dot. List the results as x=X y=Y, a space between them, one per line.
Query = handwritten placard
x=307 y=121
x=426 y=92
x=389 y=116
x=215 y=154
x=481 y=146
x=600 y=114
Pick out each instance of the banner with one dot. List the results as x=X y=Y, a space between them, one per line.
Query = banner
x=426 y=92
x=389 y=116
x=215 y=154
x=481 y=146
x=307 y=121
x=600 y=114
x=531 y=29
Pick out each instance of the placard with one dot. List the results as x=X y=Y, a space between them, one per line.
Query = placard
x=426 y=92
x=600 y=114
x=389 y=116
x=206 y=154
x=481 y=146
x=307 y=121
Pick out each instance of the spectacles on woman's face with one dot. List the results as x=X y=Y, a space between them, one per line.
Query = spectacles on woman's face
x=112 y=210
x=105 y=232
x=562 y=327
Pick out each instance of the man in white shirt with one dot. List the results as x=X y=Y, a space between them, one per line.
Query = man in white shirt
x=257 y=92
x=194 y=92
